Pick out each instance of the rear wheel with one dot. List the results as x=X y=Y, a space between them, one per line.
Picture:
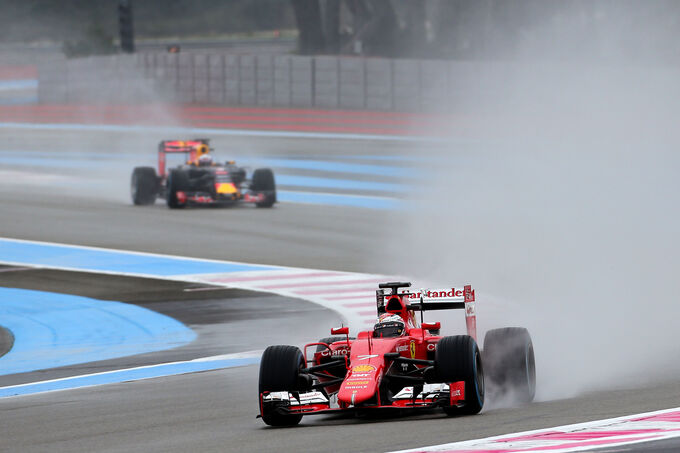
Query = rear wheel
x=329 y=340
x=457 y=358
x=177 y=181
x=263 y=182
x=340 y=370
x=144 y=185
x=509 y=360
x=280 y=372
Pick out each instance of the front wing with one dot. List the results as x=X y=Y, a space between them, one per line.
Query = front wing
x=315 y=402
x=206 y=198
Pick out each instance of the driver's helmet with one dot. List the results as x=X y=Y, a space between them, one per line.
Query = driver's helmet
x=205 y=160
x=202 y=149
x=389 y=325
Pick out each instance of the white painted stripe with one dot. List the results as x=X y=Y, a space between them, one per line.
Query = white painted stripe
x=125 y=375
x=338 y=282
x=16 y=269
x=132 y=252
x=280 y=273
x=283 y=280
x=236 y=355
x=358 y=290
x=632 y=431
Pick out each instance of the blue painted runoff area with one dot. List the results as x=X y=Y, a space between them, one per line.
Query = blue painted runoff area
x=54 y=330
x=388 y=158
x=332 y=166
x=105 y=260
x=355 y=201
x=19 y=100
x=18 y=84
x=133 y=374
x=332 y=183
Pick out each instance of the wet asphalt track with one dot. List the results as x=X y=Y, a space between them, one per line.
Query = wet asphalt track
x=215 y=411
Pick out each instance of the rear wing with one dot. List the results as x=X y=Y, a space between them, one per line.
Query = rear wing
x=190 y=147
x=433 y=299
x=440 y=299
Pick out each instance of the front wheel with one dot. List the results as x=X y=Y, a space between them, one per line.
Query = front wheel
x=280 y=372
x=177 y=181
x=263 y=182
x=457 y=358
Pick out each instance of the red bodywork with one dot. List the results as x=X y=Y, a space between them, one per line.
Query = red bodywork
x=363 y=363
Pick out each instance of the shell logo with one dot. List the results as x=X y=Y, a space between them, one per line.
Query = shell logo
x=363 y=368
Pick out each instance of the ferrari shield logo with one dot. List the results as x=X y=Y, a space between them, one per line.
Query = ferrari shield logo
x=412 y=348
x=363 y=369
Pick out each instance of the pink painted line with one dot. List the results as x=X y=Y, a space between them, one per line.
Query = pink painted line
x=257 y=119
x=310 y=112
x=319 y=283
x=349 y=297
x=91 y=115
x=18 y=72
x=669 y=417
x=591 y=443
x=359 y=304
x=504 y=450
x=316 y=292
x=570 y=445
x=367 y=313
x=123 y=121
x=581 y=435
x=254 y=112
x=271 y=277
x=298 y=119
x=305 y=128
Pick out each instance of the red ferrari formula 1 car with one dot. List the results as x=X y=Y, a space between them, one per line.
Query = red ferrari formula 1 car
x=400 y=364
x=200 y=180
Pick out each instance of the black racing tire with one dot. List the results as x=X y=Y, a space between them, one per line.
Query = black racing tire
x=178 y=180
x=457 y=358
x=263 y=182
x=509 y=360
x=280 y=372
x=338 y=370
x=144 y=185
x=329 y=340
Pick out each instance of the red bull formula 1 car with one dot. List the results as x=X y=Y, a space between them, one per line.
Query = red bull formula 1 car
x=199 y=180
x=401 y=364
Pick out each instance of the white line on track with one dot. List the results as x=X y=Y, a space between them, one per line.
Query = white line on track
x=133 y=374
x=612 y=432
x=16 y=269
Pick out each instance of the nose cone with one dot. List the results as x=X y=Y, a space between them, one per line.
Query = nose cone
x=361 y=384
x=225 y=188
